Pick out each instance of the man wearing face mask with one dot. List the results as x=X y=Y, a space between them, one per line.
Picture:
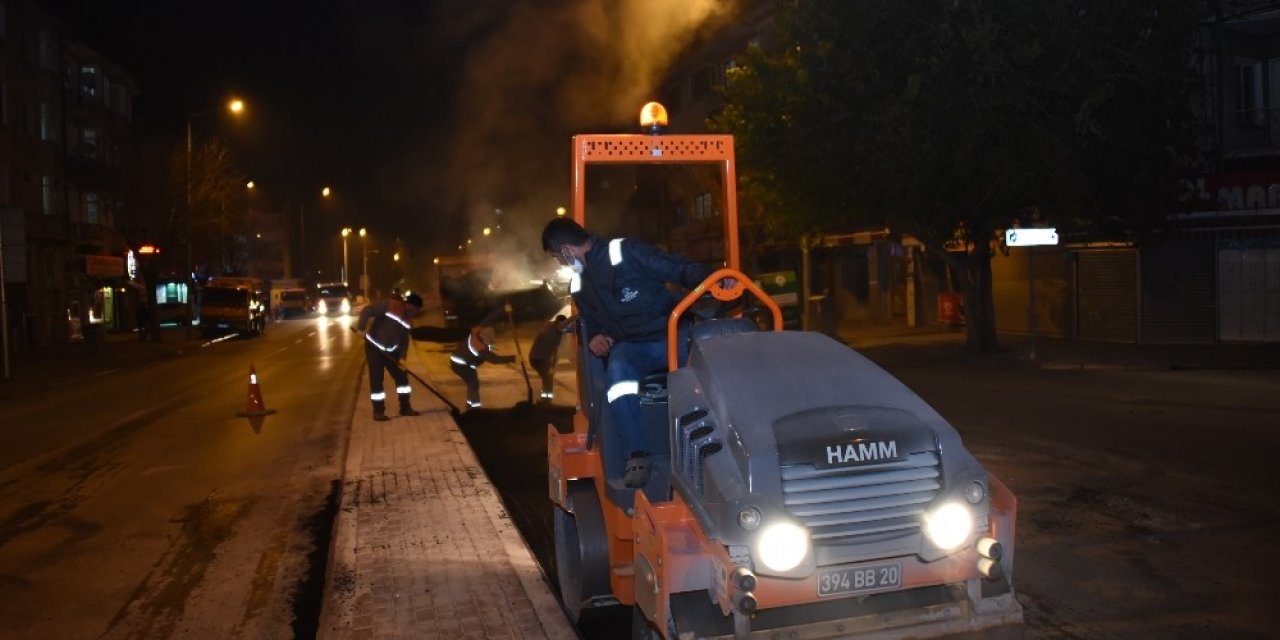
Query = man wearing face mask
x=620 y=287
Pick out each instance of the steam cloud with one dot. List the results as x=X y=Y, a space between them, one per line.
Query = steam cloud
x=535 y=72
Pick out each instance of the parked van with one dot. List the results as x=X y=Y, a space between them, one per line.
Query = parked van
x=293 y=303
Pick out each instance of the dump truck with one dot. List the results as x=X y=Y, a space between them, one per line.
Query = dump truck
x=799 y=490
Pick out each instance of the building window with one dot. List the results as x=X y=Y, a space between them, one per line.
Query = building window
x=92 y=208
x=46 y=122
x=118 y=98
x=702 y=208
x=47 y=194
x=89 y=83
x=1250 y=94
x=48 y=52
x=89 y=144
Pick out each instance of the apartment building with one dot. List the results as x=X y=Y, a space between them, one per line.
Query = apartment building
x=65 y=135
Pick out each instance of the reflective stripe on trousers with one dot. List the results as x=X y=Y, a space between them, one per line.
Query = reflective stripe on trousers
x=623 y=388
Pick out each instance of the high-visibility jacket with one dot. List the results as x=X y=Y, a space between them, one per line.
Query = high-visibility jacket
x=388 y=326
x=622 y=290
x=474 y=351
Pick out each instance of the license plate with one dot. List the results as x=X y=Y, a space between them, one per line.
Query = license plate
x=865 y=578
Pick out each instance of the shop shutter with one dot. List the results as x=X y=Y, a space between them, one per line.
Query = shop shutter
x=1249 y=294
x=1178 y=292
x=1106 y=295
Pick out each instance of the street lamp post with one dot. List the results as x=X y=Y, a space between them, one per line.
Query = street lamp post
x=364 y=267
x=302 y=229
x=235 y=107
x=346 y=231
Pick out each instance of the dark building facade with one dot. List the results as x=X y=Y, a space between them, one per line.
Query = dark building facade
x=65 y=137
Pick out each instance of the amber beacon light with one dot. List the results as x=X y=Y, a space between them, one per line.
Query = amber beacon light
x=653 y=118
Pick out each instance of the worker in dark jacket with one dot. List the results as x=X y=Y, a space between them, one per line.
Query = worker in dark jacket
x=473 y=351
x=542 y=355
x=386 y=324
x=620 y=287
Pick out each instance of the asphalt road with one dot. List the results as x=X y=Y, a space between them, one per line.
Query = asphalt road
x=1146 y=497
x=137 y=504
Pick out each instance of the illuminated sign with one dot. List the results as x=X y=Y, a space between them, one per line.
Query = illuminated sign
x=1030 y=237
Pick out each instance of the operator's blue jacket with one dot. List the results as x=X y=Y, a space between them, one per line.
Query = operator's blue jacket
x=622 y=289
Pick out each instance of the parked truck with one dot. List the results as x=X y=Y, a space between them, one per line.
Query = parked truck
x=233 y=305
x=799 y=491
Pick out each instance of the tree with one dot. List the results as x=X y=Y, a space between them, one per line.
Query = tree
x=218 y=205
x=951 y=119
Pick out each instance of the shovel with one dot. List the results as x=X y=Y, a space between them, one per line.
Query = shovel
x=520 y=355
x=453 y=409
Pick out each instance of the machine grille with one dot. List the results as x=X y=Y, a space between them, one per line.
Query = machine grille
x=848 y=505
x=695 y=440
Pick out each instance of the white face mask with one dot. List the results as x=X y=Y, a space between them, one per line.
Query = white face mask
x=573 y=261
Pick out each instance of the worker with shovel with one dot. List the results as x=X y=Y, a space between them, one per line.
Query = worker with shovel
x=386 y=324
x=472 y=352
x=543 y=354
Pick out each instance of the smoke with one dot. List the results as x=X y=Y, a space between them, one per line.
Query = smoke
x=534 y=72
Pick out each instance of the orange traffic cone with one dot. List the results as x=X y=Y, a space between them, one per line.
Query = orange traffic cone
x=253 y=404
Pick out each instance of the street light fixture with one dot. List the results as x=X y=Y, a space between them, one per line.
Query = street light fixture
x=364 y=266
x=302 y=227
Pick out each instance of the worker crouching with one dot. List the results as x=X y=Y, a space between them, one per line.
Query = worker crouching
x=472 y=352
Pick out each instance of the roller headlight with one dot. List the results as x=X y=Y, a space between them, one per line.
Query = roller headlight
x=346 y=306
x=948 y=526
x=322 y=307
x=782 y=546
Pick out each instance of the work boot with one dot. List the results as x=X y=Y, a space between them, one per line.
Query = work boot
x=637 y=470
x=409 y=411
x=379 y=416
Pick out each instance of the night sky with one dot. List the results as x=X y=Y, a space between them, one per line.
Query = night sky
x=423 y=116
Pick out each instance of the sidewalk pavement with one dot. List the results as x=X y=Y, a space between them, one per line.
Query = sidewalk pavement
x=422 y=547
